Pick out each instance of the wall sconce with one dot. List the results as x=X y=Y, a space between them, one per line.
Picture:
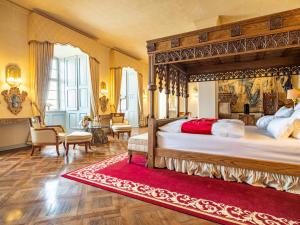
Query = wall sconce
x=103 y=99
x=13 y=75
x=103 y=89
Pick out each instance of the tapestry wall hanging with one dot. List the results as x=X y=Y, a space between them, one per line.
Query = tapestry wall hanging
x=251 y=90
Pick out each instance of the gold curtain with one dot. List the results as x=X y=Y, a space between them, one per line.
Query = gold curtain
x=95 y=85
x=140 y=93
x=40 y=60
x=115 y=90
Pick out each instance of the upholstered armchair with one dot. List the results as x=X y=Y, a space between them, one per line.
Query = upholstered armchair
x=119 y=124
x=42 y=135
x=118 y=119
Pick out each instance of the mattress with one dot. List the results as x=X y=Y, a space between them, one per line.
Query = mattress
x=256 y=144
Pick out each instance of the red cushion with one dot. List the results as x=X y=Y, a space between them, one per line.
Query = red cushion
x=199 y=126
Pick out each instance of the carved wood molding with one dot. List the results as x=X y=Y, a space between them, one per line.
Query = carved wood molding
x=237 y=46
x=172 y=80
x=249 y=73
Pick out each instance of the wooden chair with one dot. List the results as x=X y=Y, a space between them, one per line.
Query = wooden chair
x=42 y=135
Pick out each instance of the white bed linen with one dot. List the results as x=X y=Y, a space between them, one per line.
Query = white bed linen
x=256 y=144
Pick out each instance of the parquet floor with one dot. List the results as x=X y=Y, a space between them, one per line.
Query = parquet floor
x=33 y=192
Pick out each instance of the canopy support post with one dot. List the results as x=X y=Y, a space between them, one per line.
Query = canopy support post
x=152 y=121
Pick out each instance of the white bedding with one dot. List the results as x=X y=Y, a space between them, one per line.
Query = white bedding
x=256 y=144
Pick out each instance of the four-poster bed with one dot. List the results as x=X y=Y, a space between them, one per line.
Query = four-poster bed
x=261 y=47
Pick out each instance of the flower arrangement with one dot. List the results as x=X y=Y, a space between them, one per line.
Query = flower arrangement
x=85 y=122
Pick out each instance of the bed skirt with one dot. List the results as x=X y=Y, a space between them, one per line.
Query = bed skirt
x=252 y=177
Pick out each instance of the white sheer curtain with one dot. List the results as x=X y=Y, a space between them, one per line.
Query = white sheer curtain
x=140 y=93
x=40 y=60
x=95 y=85
x=115 y=90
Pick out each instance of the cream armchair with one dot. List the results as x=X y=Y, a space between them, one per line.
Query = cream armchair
x=42 y=135
x=119 y=125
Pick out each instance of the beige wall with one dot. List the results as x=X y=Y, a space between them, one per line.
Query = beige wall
x=13 y=49
x=207 y=99
x=17 y=27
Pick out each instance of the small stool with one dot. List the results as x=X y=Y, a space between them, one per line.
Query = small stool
x=121 y=128
x=139 y=145
x=78 y=137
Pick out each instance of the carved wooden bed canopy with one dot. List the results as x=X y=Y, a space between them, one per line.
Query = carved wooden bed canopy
x=258 y=47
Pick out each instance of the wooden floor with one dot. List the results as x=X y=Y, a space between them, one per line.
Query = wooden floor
x=33 y=192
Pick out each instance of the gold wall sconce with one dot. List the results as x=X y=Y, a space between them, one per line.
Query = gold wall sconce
x=13 y=75
x=103 y=99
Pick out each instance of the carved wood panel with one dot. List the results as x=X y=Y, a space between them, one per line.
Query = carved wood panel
x=242 y=45
x=249 y=73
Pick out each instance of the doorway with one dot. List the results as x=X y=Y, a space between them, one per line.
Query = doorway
x=69 y=88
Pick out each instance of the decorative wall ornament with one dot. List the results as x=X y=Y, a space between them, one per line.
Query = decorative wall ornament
x=151 y=47
x=175 y=42
x=14 y=99
x=235 y=30
x=203 y=37
x=103 y=103
x=275 y=23
x=249 y=73
x=242 y=45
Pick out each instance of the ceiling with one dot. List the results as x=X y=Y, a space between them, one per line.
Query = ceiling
x=127 y=24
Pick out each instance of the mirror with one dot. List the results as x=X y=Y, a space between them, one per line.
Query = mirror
x=13 y=75
x=14 y=99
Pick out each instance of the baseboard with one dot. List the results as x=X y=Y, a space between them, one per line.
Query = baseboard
x=14 y=147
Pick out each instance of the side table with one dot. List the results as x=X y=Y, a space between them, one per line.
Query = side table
x=99 y=136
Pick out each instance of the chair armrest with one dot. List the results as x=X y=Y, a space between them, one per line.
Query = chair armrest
x=43 y=135
x=58 y=128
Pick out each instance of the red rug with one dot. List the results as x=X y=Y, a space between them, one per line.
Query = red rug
x=212 y=199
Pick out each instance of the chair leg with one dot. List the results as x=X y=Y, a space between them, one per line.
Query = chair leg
x=57 y=149
x=118 y=135
x=129 y=156
x=113 y=134
x=32 y=150
x=74 y=146
x=86 y=146
x=64 y=144
x=90 y=147
x=67 y=150
x=129 y=134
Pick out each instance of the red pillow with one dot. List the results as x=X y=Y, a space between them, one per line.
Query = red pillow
x=198 y=126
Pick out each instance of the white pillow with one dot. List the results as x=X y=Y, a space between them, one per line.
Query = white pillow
x=296 y=132
x=281 y=127
x=296 y=114
x=173 y=127
x=263 y=122
x=284 y=112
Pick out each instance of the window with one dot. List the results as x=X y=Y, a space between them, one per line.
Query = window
x=129 y=96
x=53 y=91
x=123 y=93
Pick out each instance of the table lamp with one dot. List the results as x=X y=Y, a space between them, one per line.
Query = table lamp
x=293 y=94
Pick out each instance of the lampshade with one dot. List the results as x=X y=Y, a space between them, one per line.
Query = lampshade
x=293 y=94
